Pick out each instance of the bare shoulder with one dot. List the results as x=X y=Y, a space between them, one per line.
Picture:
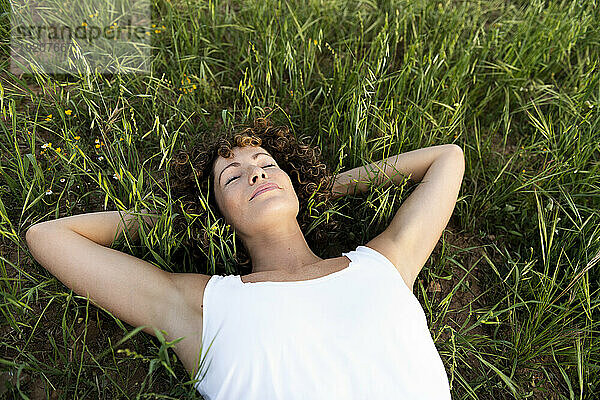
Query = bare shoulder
x=186 y=318
x=397 y=256
x=190 y=287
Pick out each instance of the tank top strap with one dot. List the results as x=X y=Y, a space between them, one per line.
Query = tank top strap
x=364 y=255
x=221 y=297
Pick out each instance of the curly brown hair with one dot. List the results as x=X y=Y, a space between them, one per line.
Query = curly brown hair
x=191 y=180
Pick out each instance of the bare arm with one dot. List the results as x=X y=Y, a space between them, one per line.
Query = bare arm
x=389 y=170
x=419 y=222
x=103 y=227
x=74 y=250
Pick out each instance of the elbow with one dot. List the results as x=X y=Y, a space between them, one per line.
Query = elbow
x=456 y=149
x=32 y=239
x=32 y=233
x=30 y=236
x=29 y=233
x=458 y=155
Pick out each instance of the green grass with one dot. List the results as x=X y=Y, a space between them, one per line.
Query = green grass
x=511 y=291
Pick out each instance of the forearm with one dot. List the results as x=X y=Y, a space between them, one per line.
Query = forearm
x=394 y=169
x=102 y=227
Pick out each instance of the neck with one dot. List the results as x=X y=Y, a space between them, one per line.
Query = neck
x=281 y=249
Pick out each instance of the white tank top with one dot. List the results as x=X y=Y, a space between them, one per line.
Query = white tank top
x=358 y=333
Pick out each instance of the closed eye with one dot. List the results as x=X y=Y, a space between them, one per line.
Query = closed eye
x=235 y=177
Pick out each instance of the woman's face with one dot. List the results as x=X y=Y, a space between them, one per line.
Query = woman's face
x=239 y=183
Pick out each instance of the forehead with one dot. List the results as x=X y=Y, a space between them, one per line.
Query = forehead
x=239 y=153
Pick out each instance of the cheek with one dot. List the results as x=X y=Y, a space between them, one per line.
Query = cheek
x=230 y=204
x=221 y=201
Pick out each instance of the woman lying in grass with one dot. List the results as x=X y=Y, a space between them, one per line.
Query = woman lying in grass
x=298 y=326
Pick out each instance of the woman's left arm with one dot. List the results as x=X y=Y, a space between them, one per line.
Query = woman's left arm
x=419 y=222
x=394 y=169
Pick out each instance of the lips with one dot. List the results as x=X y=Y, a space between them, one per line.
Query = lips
x=263 y=188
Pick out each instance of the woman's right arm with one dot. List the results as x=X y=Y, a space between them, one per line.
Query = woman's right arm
x=387 y=171
x=74 y=249
x=103 y=227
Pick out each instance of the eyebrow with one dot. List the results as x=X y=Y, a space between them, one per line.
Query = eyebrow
x=237 y=164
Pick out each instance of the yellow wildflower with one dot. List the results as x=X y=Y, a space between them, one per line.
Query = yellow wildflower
x=84 y=23
x=77 y=137
x=68 y=112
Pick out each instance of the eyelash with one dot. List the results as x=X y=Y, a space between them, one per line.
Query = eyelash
x=235 y=177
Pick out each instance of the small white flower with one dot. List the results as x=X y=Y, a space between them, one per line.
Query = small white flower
x=49 y=191
x=116 y=176
x=100 y=158
x=44 y=146
x=62 y=180
x=96 y=141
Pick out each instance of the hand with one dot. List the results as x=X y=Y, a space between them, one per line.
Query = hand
x=338 y=189
x=149 y=219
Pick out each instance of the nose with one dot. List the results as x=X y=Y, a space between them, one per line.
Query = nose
x=257 y=173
